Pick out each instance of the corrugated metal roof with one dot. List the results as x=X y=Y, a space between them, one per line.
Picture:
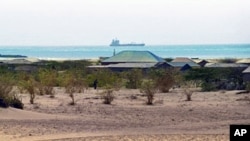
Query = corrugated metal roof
x=225 y=65
x=126 y=65
x=132 y=65
x=247 y=70
x=134 y=57
x=182 y=59
x=181 y=64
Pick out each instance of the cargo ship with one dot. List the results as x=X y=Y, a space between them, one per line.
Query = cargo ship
x=116 y=42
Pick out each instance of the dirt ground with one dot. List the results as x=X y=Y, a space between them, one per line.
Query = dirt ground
x=206 y=118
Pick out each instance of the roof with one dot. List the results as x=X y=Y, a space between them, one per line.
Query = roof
x=134 y=57
x=182 y=59
x=18 y=61
x=225 y=65
x=247 y=70
x=126 y=65
x=181 y=64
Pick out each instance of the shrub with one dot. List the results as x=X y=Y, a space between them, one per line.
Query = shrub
x=189 y=87
x=107 y=95
x=149 y=89
x=208 y=86
x=105 y=77
x=30 y=85
x=165 y=79
x=134 y=78
x=16 y=102
x=47 y=80
x=6 y=86
x=73 y=84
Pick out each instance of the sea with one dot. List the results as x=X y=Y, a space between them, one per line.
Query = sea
x=220 y=51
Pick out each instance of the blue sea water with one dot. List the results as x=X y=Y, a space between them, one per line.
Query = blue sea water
x=164 y=51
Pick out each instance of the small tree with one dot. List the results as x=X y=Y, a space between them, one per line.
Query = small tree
x=149 y=89
x=73 y=84
x=30 y=85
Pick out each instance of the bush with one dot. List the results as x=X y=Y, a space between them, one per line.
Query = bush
x=73 y=84
x=16 y=103
x=149 y=89
x=165 y=79
x=208 y=86
x=30 y=85
x=107 y=96
x=47 y=80
x=134 y=78
x=105 y=77
x=6 y=86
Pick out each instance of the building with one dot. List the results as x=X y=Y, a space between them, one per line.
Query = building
x=127 y=60
x=246 y=74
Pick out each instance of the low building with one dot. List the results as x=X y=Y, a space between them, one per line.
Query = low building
x=246 y=74
x=127 y=60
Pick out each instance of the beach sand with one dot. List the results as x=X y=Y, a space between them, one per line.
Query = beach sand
x=207 y=117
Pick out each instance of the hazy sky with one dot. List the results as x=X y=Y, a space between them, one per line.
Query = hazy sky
x=97 y=22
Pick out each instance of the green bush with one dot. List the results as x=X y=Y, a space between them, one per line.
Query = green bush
x=7 y=96
x=206 y=86
x=149 y=89
x=73 y=83
x=165 y=79
x=134 y=78
x=104 y=78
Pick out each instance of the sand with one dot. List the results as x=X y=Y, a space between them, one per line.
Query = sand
x=128 y=118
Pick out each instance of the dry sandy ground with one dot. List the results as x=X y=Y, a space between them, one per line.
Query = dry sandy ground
x=207 y=117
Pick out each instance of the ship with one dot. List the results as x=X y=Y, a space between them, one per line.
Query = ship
x=116 y=42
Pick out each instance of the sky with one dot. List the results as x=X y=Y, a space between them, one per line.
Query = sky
x=97 y=22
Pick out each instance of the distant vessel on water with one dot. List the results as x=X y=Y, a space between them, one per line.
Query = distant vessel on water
x=116 y=42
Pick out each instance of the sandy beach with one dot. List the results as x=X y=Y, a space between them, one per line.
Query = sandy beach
x=206 y=117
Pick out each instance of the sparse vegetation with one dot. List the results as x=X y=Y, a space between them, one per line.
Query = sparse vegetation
x=73 y=84
x=47 y=80
x=165 y=79
x=134 y=78
x=107 y=95
x=7 y=95
x=149 y=89
x=30 y=85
